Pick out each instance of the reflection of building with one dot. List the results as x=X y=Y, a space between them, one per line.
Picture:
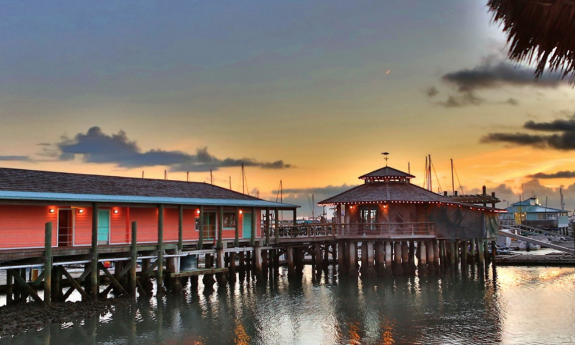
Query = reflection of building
x=530 y=212
x=387 y=202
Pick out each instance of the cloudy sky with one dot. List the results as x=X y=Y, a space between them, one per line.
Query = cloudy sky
x=307 y=92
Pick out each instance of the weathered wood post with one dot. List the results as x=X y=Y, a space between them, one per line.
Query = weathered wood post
x=464 y=253
x=422 y=254
x=430 y=257
x=180 y=228
x=277 y=230
x=290 y=261
x=480 y=251
x=317 y=256
x=456 y=252
x=201 y=234
x=436 y=252
x=160 y=268
x=405 y=256
x=254 y=229
x=267 y=226
x=340 y=256
x=95 y=270
x=220 y=226
x=134 y=259
x=9 y=286
x=237 y=228
x=294 y=221
x=370 y=272
x=47 y=264
x=493 y=251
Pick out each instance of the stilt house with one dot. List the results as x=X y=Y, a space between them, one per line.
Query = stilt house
x=389 y=204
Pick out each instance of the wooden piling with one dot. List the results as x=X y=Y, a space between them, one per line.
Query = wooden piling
x=133 y=259
x=254 y=228
x=94 y=273
x=317 y=256
x=290 y=260
x=480 y=251
x=160 y=259
x=388 y=257
x=370 y=271
x=9 y=290
x=47 y=264
x=201 y=234
x=258 y=259
x=379 y=258
x=340 y=256
x=397 y=269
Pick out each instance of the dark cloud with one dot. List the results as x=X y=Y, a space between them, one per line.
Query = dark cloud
x=564 y=139
x=559 y=174
x=494 y=74
x=432 y=91
x=467 y=98
x=15 y=158
x=97 y=147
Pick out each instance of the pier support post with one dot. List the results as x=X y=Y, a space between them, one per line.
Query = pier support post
x=473 y=252
x=480 y=252
x=493 y=250
x=9 y=286
x=318 y=260
x=430 y=258
x=95 y=270
x=397 y=269
x=405 y=256
x=352 y=271
x=422 y=265
x=47 y=264
x=370 y=271
x=258 y=259
x=221 y=277
x=379 y=258
x=436 y=253
x=340 y=256
x=160 y=268
x=290 y=261
x=133 y=259
x=456 y=252
x=464 y=253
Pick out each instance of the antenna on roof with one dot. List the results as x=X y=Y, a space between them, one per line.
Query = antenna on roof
x=142 y=173
x=187 y=176
x=165 y=174
x=385 y=157
x=211 y=177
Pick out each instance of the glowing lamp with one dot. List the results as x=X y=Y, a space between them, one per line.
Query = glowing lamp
x=80 y=210
x=241 y=211
x=52 y=210
x=198 y=211
x=115 y=211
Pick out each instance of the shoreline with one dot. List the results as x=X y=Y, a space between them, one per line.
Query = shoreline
x=21 y=318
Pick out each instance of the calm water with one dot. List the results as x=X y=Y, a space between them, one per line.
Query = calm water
x=514 y=305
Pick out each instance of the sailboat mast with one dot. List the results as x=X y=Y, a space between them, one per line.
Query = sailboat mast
x=452 y=180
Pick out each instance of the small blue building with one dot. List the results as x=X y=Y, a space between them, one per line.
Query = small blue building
x=530 y=212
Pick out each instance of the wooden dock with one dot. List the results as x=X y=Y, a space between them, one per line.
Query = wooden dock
x=553 y=259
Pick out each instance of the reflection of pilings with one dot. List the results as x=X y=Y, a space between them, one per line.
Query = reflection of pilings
x=388 y=258
x=397 y=269
x=352 y=271
x=341 y=257
x=379 y=258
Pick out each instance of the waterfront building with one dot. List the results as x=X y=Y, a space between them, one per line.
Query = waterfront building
x=29 y=199
x=530 y=212
x=388 y=203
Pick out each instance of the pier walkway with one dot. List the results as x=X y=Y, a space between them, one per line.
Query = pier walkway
x=534 y=241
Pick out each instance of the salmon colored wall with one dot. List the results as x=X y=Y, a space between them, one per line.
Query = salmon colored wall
x=147 y=219
x=25 y=227
x=82 y=227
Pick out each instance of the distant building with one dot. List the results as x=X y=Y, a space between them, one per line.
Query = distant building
x=530 y=212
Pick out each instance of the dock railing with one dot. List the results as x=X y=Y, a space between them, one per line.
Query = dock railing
x=357 y=229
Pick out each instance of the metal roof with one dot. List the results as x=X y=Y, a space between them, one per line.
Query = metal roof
x=16 y=195
x=386 y=172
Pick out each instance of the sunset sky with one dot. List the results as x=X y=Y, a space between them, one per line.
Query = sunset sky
x=307 y=92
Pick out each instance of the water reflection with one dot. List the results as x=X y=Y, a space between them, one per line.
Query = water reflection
x=470 y=306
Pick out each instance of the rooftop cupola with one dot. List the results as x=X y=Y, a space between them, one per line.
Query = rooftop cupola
x=387 y=174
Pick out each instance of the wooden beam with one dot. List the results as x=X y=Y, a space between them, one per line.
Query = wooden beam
x=150 y=269
x=197 y=272
x=27 y=288
x=113 y=280
x=75 y=284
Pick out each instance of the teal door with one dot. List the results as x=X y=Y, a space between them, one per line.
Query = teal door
x=247 y=226
x=103 y=226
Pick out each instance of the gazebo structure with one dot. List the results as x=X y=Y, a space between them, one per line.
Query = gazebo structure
x=389 y=207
